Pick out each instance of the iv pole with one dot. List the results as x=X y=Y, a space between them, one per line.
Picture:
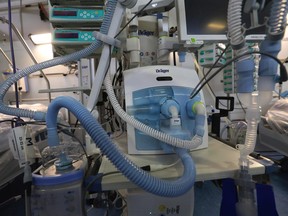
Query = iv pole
x=22 y=40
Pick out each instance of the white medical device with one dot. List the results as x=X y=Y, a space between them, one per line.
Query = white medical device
x=147 y=89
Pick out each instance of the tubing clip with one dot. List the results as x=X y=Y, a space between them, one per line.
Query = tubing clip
x=107 y=39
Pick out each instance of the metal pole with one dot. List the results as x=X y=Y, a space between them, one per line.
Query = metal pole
x=22 y=40
x=6 y=57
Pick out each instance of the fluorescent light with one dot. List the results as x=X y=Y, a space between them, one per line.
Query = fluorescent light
x=38 y=39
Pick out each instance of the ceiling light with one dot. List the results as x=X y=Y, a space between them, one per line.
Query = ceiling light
x=38 y=39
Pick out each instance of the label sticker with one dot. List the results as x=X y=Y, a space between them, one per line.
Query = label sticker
x=21 y=145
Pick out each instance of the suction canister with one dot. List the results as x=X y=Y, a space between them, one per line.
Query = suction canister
x=57 y=187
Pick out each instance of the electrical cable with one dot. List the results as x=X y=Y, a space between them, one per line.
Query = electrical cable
x=283 y=71
x=174 y=58
x=140 y=11
x=211 y=68
x=10 y=200
x=12 y=51
x=209 y=86
x=99 y=176
x=240 y=103
x=148 y=168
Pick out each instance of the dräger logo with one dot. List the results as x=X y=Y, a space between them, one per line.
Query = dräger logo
x=146 y=33
x=162 y=71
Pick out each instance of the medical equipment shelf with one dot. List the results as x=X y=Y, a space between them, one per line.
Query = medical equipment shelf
x=218 y=161
x=71 y=89
x=65 y=49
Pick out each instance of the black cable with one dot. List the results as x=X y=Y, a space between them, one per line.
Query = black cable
x=174 y=58
x=211 y=68
x=119 y=70
x=139 y=12
x=99 y=176
x=283 y=71
x=204 y=75
x=240 y=103
x=75 y=126
x=8 y=120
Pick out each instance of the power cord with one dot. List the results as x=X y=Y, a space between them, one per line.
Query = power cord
x=211 y=68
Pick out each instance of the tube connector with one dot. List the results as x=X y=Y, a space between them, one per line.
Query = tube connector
x=106 y=39
x=64 y=162
x=53 y=138
x=197 y=110
x=170 y=108
x=243 y=159
x=253 y=113
x=191 y=105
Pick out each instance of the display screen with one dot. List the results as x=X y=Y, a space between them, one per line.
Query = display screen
x=209 y=17
x=65 y=13
x=203 y=18
x=66 y=35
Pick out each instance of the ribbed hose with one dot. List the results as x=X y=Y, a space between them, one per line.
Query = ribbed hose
x=250 y=140
x=4 y=87
x=235 y=29
x=186 y=144
x=277 y=20
x=128 y=168
x=253 y=117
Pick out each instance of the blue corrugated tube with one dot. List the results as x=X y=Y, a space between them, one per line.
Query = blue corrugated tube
x=128 y=168
x=4 y=87
x=272 y=44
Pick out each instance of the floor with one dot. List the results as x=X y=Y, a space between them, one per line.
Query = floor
x=208 y=195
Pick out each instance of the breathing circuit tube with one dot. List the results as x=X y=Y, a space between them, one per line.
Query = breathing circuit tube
x=272 y=44
x=245 y=68
x=277 y=20
x=187 y=144
x=252 y=118
x=128 y=168
x=4 y=87
x=236 y=31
